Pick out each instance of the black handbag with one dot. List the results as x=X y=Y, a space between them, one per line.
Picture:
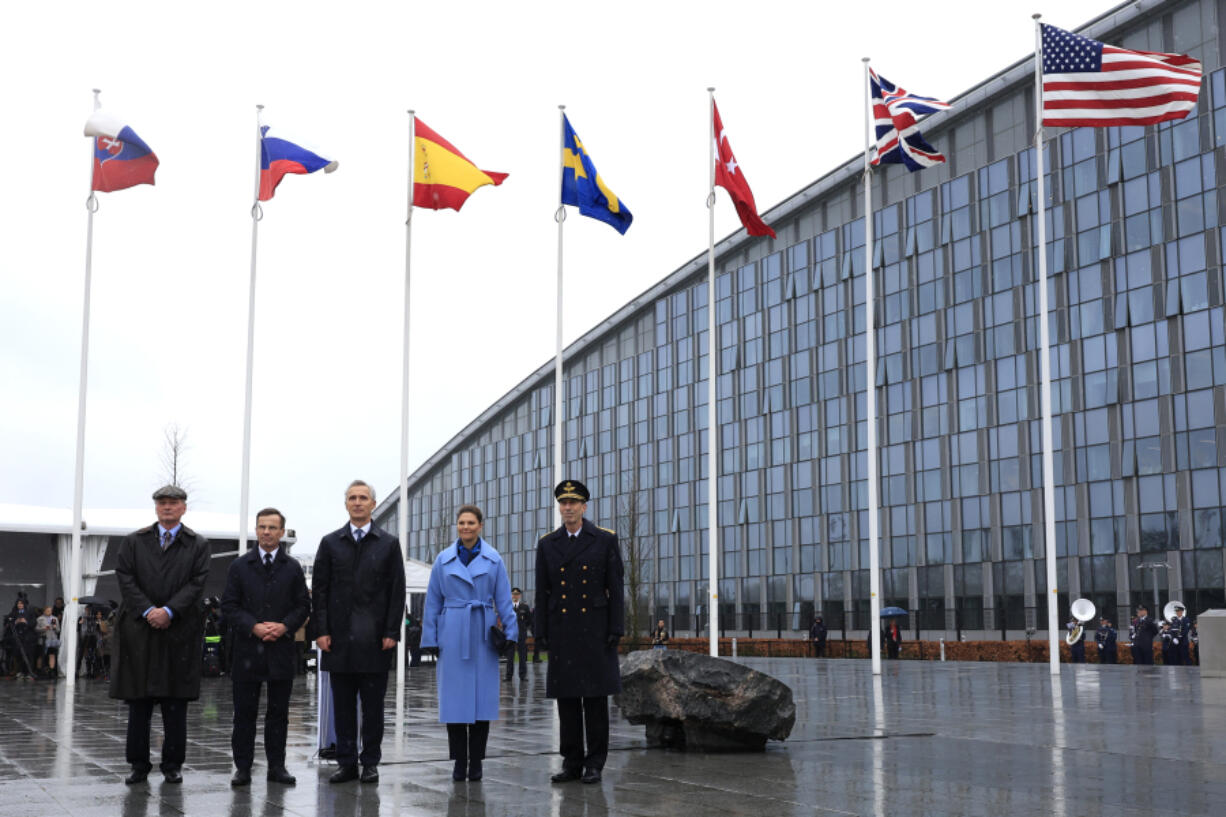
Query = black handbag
x=498 y=640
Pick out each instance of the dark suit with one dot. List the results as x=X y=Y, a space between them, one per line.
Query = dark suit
x=358 y=593
x=523 y=620
x=1143 y=640
x=1106 y=638
x=1181 y=627
x=579 y=605
x=255 y=594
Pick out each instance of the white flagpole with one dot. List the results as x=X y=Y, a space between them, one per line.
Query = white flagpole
x=559 y=217
x=257 y=213
x=712 y=407
x=78 y=490
x=870 y=385
x=1049 y=473
x=402 y=516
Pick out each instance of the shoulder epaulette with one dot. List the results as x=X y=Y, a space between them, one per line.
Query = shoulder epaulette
x=606 y=530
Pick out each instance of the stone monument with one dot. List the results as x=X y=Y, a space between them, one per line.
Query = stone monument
x=697 y=703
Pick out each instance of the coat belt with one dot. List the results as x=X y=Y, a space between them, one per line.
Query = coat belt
x=466 y=623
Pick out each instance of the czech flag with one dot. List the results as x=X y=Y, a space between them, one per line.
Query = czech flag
x=121 y=159
x=279 y=157
x=444 y=178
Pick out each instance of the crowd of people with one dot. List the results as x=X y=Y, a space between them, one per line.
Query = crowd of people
x=32 y=637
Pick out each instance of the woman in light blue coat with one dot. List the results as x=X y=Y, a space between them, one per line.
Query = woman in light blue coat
x=467 y=594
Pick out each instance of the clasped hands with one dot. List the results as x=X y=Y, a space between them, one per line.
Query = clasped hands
x=268 y=630
x=158 y=618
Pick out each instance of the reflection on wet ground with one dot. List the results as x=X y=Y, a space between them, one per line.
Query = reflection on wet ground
x=931 y=738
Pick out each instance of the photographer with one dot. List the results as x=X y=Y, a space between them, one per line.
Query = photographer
x=20 y=639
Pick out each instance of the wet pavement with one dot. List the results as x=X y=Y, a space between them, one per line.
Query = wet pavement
x=928 y=739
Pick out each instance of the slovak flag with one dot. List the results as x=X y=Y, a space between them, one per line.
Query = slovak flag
x=279 y=157
x=121 y=158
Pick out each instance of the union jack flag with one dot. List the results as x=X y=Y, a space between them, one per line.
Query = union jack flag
x=895 y=114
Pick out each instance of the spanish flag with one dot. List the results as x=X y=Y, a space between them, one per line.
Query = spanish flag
x=442 y=176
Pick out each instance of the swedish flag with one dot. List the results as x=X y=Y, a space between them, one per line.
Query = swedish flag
x=583 y=187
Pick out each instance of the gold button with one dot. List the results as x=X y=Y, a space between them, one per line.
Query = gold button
x=585 y=595
x=585 y=567
x=563 y=595
x=563 y=609
x=583 y=610
x=585 y=581
x=563 y=584
x=562 y=569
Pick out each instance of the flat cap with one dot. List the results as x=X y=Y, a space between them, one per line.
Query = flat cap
x=571 y=489
x=170 y=492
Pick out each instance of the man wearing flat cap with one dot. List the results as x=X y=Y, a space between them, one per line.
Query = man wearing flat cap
x=159 y=630
x=580 y=615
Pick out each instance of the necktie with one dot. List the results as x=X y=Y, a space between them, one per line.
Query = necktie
x=268 y=562
x=358 y=534
x=166 y=539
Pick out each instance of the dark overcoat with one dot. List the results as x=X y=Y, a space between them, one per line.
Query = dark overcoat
x=579 y=604
x=254 y=594
x=147 y=662
x=357 y=593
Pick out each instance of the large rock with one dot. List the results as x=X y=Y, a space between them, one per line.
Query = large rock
x=698 y=703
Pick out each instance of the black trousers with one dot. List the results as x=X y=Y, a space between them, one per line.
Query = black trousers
x=577 y=716
x=174 y=725
x=347 y=688
x=521 y=647
x=1144 y=657
x=466 y=741
x=1106 y=656
x=276 y=722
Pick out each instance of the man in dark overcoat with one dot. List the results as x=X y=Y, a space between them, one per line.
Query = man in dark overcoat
x=159 y=631
x=580 y=618
x=1107 y=639
x=264 y=604
x=1143 y=638
x=523 y=620
x=358 y=591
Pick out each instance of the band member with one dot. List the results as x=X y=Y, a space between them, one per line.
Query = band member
x=357 y=587
x=579 y=621
x=159 y=627
x=264 y=604
x=523 y=622
x=1182 y=628
x=1143 y=638
x=1076 y=639
x=1106 y=638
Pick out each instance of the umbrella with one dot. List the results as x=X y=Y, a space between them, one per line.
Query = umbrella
x=892 y=612
x=94 y=600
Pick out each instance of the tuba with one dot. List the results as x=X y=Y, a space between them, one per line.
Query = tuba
x=1168 y=612
x=1083 y=611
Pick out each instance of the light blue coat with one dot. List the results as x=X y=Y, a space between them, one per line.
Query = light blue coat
x=460 y=609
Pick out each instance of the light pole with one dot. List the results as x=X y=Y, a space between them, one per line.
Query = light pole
x=1154 y=567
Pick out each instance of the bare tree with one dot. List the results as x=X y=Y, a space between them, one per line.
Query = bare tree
x=174 y=456
x=638 y=549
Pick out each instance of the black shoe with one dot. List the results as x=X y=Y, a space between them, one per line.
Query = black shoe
x=566 y=775
x=139 y=774
x=242 y=777
x=344 y=774
x=474 y=770
x=370 y=774
x=172 y=776
x=328 y=752
x=281 y=775
x=591 y=775
x=458 y=773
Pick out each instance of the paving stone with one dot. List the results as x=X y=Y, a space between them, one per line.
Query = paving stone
x=924 y=738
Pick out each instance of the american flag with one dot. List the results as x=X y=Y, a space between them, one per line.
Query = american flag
x=895 y=113
x=1086 y=83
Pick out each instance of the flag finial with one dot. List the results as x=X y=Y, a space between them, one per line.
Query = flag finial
x=1035 y=16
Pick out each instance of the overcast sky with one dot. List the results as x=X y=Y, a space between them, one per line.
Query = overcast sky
x=171 y=262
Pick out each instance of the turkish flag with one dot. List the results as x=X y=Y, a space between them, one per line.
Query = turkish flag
x=728 y=175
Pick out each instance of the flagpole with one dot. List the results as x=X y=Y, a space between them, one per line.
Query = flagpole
x=257 y=213
x=402 y=516
x=712 y=407
x=560 y=217
x=1049 y=471
x=870 y=385
x=78 y=489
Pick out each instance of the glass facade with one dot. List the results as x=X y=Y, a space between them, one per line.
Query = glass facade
x=1135 y=241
